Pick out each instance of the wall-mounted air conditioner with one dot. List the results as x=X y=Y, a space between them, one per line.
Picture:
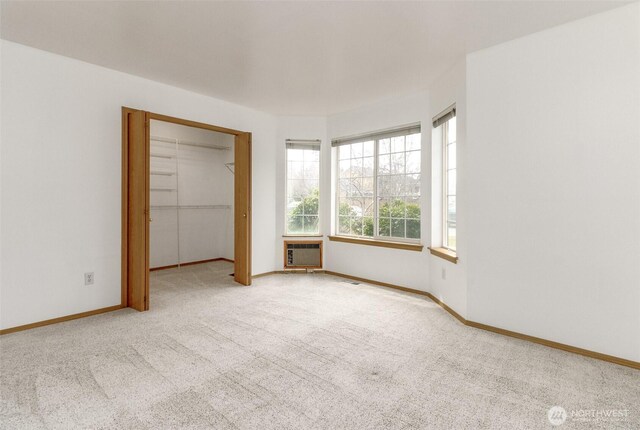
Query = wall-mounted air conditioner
x=303 y=254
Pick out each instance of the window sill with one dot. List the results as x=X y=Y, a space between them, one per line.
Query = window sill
x=447 y=254
x=301 y=235
x=381 y=243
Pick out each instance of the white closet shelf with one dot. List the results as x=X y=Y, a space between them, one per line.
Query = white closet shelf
x=187 y=143
x=192 y=207
x=163 y=173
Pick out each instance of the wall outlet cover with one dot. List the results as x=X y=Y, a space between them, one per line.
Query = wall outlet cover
x=88 y=278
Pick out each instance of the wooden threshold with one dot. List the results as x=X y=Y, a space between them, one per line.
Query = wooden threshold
x=61 y=319
x=190 y=263
x=381 y=243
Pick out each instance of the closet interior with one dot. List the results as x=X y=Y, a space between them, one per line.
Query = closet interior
x=191 y=195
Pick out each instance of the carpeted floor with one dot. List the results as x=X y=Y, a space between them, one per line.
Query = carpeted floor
x=294 y=352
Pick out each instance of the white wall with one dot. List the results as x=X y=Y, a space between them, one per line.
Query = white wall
x=553 y=184
x=448 y=281
x=303 y=128
x=61 y=178
x=200 y=179
x=400 y=267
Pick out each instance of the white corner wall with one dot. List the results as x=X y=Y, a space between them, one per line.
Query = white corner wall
x=394 y=266
x=553 y=184
x=448 y=281
x=61 y=178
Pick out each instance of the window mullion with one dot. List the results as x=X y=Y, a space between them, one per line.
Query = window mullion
x=375 y=188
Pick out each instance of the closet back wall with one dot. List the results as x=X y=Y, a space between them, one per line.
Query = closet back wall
x=191 y=195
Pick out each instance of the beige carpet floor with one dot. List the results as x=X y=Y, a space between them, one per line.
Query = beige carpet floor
x=294 y=352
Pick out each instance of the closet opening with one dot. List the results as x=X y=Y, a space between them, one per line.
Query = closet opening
x=186 y=201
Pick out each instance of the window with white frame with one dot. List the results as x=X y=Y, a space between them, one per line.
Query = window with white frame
x=378 y=185
x=447 y=122
x=303 y=187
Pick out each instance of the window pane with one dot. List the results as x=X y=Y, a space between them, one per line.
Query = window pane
x=344 y=168
x=356 y=226
x=451 y=129
x=451 y=209
x=344 y=208
x=384 y=164
x=451 y=156
x=367 y=166
x=367 y=207
x=356 y=167
x=295 y=154
x=303 y=171
x=367 y=226
x=295 y=224
x=396 y=182
x=311 y=155
x=413 y=142
x=384 y=146
x=295 y=169
x=384 y=225
x=310 y=204
x=412 y=209
x=356 y=150
x=367 y=187
x=451 y=236
x=311 y=185
x=397 y=227
x=413 y=229
x=295 y=189
x=311 y=224
x=397 y=163
x=343 y=225
x=392 y=207
x=356 y=206
x=344 y=152
x=367 y=149
x=356 y=187
x=397 y=144
x=344 y=187
x=311 y=169
x=383 y=186
x=412 y=185
x=413 y=162
x=451 y=182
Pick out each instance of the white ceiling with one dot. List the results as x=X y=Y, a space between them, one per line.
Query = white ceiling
x=295 y=58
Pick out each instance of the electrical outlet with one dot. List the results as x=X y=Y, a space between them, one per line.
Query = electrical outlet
x=444 y=273
x=88 y=278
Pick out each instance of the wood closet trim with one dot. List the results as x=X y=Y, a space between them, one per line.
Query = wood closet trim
x=242 y=198
x=195 y=124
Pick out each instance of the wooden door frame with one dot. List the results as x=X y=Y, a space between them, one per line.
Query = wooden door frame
x=238 y=215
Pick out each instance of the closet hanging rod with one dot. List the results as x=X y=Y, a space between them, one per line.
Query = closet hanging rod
x=188 y=143
x=192 y=207
x=162 y=156
x=162 y=189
